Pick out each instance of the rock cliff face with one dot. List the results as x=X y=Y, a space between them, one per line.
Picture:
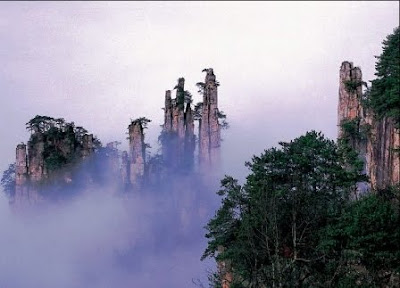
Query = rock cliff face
x=209 y=129
x=375 y=140
x=383 y=161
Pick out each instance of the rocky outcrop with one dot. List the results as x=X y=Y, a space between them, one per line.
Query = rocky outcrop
x=209 y=129
x=375 y=139
x=45 y=159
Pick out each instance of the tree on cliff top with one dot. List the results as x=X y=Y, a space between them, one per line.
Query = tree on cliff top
x=384 y=96
x=142 y=121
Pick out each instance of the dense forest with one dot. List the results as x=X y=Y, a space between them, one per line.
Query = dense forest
x=294 y=222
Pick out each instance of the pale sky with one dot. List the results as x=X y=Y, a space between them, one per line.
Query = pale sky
x=100 y=64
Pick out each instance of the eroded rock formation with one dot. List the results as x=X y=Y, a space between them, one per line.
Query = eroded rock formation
x=44 y=158
x=178 y=139
x=382 y=153
x=136 y=152
x=21 y=174
x=209 y=129
x=350 y=93
x=375 y=139
x=56 y=146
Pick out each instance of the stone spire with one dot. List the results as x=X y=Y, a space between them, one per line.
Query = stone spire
x=87 y=145
x=35 y=157
x=209 y=129
x=190 y=140
x=21 y=174
x=136 y=152
x=168 y=111
x=350 y=92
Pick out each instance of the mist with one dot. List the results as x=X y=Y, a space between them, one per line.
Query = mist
x=101 y=237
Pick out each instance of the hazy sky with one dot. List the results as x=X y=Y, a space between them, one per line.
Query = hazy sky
x=100 y=64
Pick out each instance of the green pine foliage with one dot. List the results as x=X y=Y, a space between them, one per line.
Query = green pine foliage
x=292 y=223
x=384 y=97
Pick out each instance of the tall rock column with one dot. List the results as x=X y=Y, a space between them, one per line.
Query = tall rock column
x=210 y=140
x=87 y=145
x=350 y=92
x=180 y=111
x=136 y=152
x=190 y=140
x=351 y=115
x=21 y=174
x=36 y=167
x=168 y=111
x=35 y=157
x=125 y=175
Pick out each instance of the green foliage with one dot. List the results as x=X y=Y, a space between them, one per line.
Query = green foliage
x=60 y=139
x=268 y=226
x=365 y=237
x=352 y=86
x=350 y=126
x=384 y=97
x=222 y=116
x=181 y=96
x=187 y=97
x=353 y=130
x=8 y=181
x=43 y=123
x=201 y=86
x=292 y=223
x=142 y=121
x=54 y=158
x=198 y=110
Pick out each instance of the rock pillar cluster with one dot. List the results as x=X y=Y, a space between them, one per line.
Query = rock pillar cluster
x=209 y=129
x=31 y=165
x=375 y=139
x=178 y=139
